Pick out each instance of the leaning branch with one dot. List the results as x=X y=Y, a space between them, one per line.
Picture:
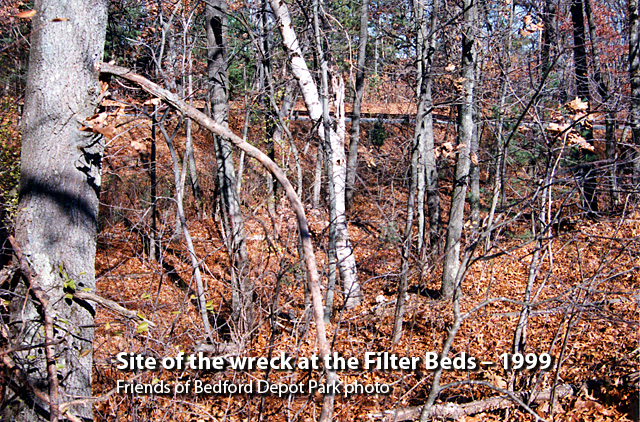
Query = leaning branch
x=208 y=123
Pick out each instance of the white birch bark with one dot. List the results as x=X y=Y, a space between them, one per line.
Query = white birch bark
x=309 y=89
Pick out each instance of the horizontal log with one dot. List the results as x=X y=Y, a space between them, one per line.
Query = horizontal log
x=456 y=411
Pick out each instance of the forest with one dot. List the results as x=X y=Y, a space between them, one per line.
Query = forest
x=278 y=210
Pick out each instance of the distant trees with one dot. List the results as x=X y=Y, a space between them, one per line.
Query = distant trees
x=52 y=333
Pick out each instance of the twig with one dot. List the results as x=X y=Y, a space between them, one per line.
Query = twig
x=50 y=350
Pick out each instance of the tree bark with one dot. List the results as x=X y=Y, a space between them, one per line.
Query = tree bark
x=579 y=50
x=634 y=76
x=465 y=134
x=217 y=34
x=352 y=163
x=587 y=170
x=56 y=224
x=548 y=33
x=344 y=250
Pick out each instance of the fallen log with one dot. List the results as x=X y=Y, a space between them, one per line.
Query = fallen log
x=456 y=411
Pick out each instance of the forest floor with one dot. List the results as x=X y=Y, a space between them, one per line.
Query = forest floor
x=585 y=315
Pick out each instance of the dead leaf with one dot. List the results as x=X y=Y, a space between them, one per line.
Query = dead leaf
x=458 y=84
x=139 y=146
x=450 y=67
x=578 y=105
x=474 y=158
x=580 y=142
x=26 y=14
x=59 y=19
x=556 y=128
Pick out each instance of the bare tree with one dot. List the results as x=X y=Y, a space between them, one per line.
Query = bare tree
x=465 y=134
x=344 y=250
x=217 y=45
x=354 y=133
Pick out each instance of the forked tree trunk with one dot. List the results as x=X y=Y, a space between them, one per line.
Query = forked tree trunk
x=465 y=134
x=56 y=223
x=344 y=251
x=217 y=33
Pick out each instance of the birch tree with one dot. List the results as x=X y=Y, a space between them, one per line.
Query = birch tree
x=309 y=89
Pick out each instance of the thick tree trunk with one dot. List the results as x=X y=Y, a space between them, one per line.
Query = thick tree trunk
x=217 y=33
x=352 y=164
x=344 y=251
x=57 y=218
x=465 y=134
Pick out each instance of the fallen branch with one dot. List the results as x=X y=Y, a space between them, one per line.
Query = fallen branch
x=203 y=120
x=457 y=411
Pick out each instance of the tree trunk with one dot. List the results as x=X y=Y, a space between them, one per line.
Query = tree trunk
x=344 y=251
x=191 y=158
x=352 y=163
x=474 y=170
x=548 y=33
x=465 y=134
x=56 y=224
x=217 y=34
x=634 y=76
x=587 y=170
x=579 y=50
x=182 y=225
x=423 y=161
x=431 y=168
x=501 y=153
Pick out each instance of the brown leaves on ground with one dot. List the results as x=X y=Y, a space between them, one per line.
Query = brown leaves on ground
x=581 y=295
